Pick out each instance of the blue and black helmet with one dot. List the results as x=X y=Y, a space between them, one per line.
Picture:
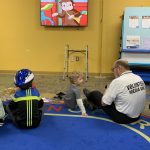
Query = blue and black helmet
x=23 y=77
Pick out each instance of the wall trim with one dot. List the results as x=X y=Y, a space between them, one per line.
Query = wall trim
x=97 y=75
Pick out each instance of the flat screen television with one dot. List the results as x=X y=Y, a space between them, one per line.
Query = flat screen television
x=64 y=12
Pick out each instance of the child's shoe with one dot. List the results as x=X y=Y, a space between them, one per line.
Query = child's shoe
x=1 y=122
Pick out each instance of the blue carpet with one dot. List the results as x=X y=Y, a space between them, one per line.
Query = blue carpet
x=63 y=130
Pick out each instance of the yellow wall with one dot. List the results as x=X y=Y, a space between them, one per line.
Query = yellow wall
x=26 y=44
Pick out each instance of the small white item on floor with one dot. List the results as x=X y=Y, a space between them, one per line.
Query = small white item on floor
x=46 y=100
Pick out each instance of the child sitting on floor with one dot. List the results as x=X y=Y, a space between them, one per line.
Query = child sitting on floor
x=73 y=98
x=25 y=109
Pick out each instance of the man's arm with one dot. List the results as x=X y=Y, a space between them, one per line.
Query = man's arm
x=103 y=104
x=110 y=93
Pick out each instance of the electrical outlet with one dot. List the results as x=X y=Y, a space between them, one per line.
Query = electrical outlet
x=77 y=58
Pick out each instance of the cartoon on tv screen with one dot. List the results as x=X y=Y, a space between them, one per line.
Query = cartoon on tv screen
x=64 y=12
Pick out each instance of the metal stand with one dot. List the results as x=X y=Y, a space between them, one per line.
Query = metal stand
x=68 y=52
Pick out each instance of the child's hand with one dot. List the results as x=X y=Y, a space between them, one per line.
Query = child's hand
x=84 y=114
x=71 y=17
x=54 y=14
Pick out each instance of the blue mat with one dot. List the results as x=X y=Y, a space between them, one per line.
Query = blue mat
x=64 y=130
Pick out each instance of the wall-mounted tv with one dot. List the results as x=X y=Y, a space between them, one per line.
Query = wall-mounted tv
x=64 y=12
